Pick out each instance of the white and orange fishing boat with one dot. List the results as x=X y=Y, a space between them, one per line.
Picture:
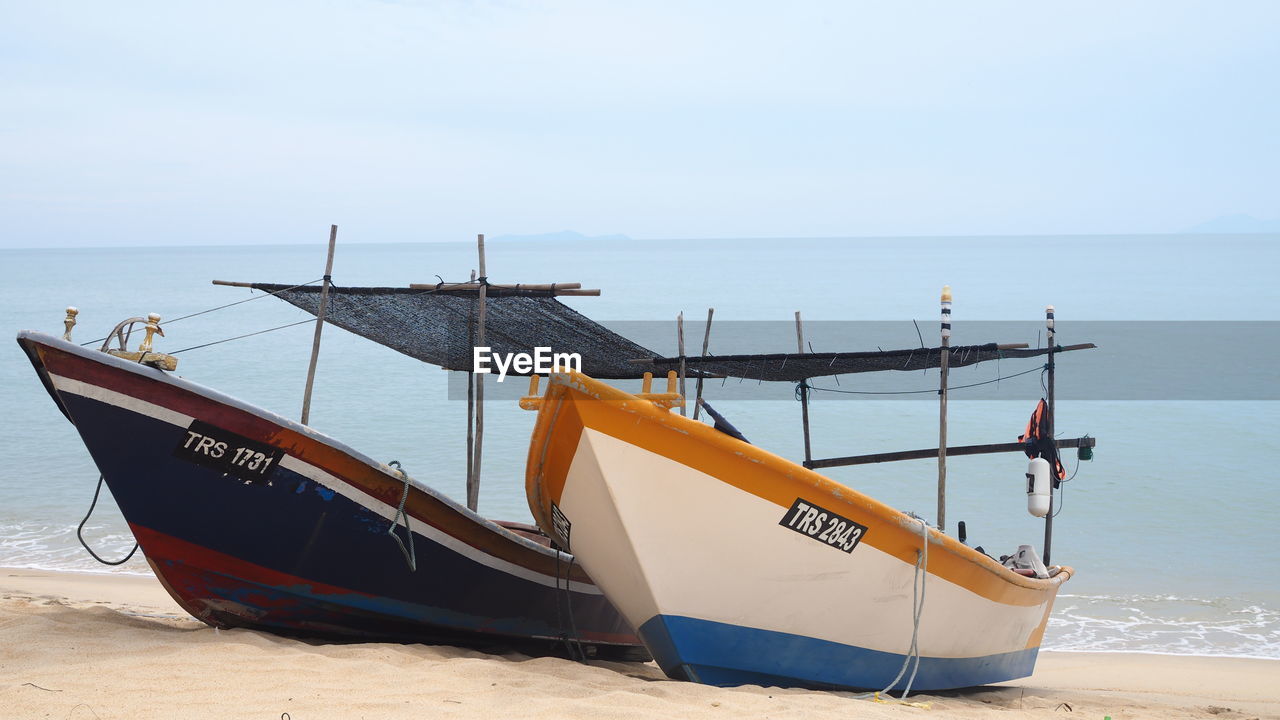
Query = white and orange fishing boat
x=738 y=566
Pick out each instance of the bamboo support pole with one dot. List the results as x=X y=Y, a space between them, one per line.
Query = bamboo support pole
x=706 y=342
x=680 y=344
x=804 y=393
x=942 y=408
x=556 y=289
x=831 y=355
x=1053 y=470
x=473 y=483
x=471 y=396
x=320 y=313
x=444 y=287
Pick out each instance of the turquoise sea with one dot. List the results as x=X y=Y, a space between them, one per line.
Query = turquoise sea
x=1171 y=528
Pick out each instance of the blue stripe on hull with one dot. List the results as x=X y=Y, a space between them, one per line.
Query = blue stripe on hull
x=296 y=527
x=721 y=654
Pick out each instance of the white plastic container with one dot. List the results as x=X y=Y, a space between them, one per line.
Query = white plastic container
x=1038 y=487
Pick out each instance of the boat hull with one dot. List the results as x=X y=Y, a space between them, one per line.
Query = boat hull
x=740 y=567
x=301 y=546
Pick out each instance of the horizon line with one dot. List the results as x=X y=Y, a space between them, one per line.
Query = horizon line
x=612 y=238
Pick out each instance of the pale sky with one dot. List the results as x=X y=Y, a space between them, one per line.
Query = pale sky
x=256 y=122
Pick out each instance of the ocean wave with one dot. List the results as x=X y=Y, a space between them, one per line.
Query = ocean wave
x=40 y=546
x=1164 y=624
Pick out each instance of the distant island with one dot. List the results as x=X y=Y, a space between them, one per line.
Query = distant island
x=563 y=235
x=1234 y=224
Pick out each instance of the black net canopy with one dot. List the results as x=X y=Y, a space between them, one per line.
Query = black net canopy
x=795 y=367
x=439 y=327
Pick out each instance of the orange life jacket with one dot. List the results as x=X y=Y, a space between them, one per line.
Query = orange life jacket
x=1037 y=443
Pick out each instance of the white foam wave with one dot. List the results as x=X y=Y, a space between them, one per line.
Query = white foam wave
x=1164 y=623
x=41 y=546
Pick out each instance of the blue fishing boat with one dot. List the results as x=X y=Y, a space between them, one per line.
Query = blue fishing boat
x=253 y=520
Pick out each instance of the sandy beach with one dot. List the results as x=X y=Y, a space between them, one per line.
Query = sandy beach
x=104 y=646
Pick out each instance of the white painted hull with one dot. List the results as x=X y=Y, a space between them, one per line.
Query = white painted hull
x=724 y=591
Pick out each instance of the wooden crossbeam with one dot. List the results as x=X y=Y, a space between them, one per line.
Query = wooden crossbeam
x=558 y=289
x=933 y=453
x=575 y=289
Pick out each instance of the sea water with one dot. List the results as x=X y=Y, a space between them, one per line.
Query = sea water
x=1171 y=528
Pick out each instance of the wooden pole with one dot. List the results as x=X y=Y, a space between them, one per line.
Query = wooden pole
x=1053 y=470
x=953 y=451
x=320 y=313
x=942 y=408
x=706 y=341
x=804 y=393
x=471 y=397
x=447 y=287
x=680 y=343
x=473 y=483
x=557 y=289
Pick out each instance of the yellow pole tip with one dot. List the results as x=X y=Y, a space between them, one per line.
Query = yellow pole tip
x=946 y=293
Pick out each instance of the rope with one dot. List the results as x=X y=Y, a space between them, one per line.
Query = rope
x=221 y=307
x=241 y=337
x=410 y=555
x=568 y=603
x=559 y=614
x=328 y=318
x=919 y=577
x=80 y=529
x=1062 y=487
x=570 y=639
x=919 y=392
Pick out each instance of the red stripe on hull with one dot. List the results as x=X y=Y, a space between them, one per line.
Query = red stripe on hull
x=263 y=597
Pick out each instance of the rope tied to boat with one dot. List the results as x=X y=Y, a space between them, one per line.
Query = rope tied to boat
x=918 y=578
x=572 y=642
x=80 y=530
x=410 y=554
